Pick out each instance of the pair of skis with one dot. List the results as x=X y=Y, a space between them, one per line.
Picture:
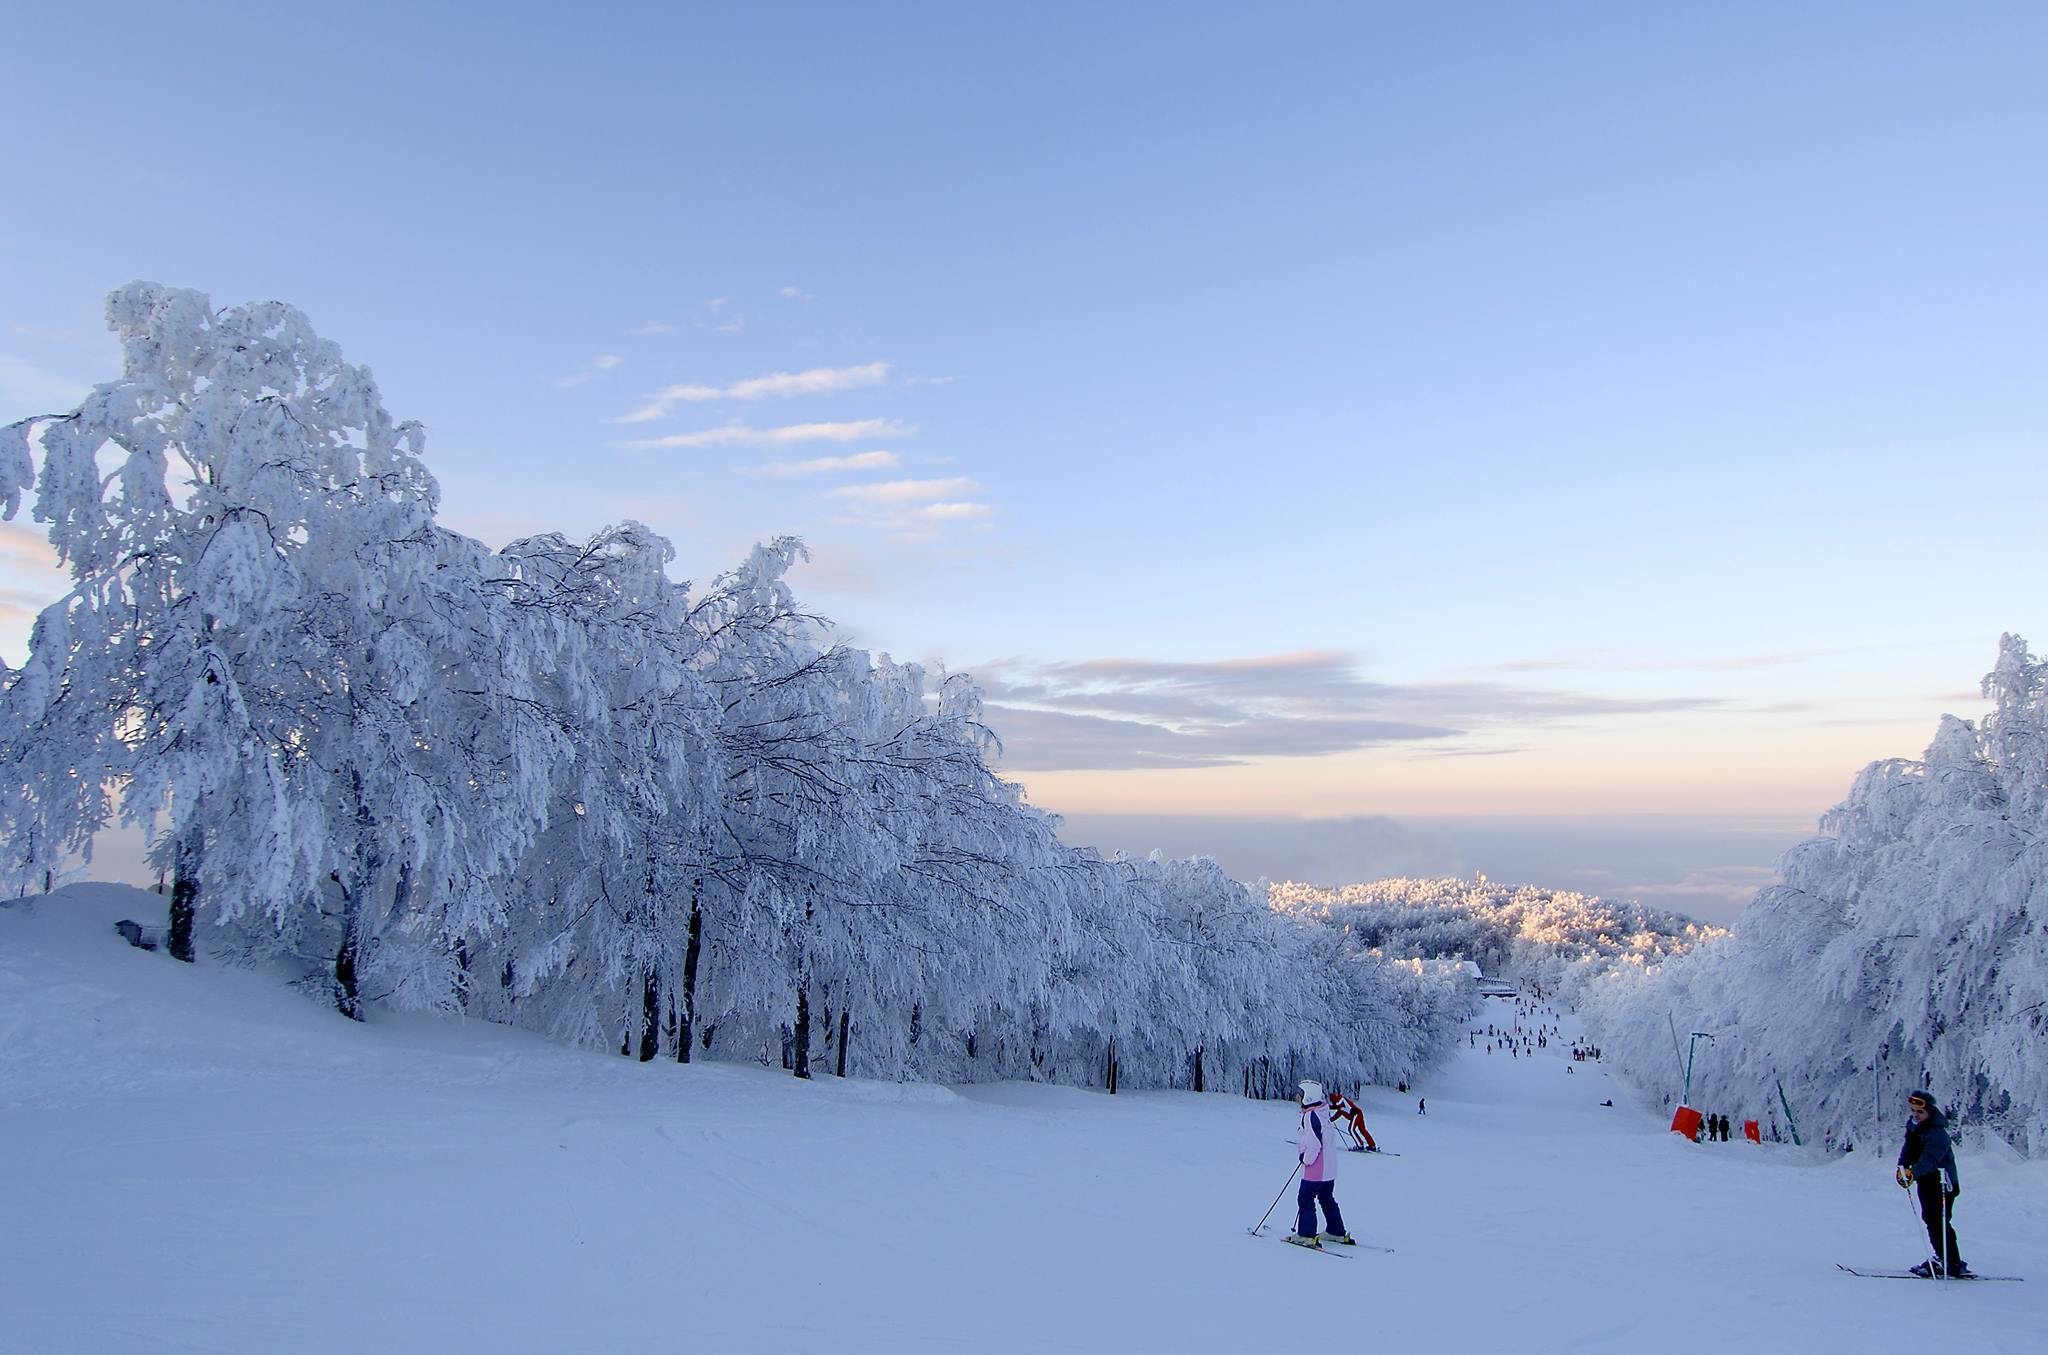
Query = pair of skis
x=1909 y=1275
x=1337 y=1250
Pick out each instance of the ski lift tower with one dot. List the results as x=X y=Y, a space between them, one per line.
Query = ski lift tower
x=1690 y=1046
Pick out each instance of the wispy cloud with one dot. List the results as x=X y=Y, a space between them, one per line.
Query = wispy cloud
x=28 y=389
x=916 y=511
x=603 y=362
x=30 y=580
x=743 y=435
x=1616 y=661
x=48 y=334
x=773 y=386
x=907 y=491
x=795 y=294
x=25 y=549
x=1128 y=713
x=830 y=465
x=655 y=327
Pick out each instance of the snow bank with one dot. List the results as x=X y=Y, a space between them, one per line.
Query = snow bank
x=202 y=1159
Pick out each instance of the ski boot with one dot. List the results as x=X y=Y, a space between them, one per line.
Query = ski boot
x=1930 y=1269
x=1306 y=1240
x=1344 y=1239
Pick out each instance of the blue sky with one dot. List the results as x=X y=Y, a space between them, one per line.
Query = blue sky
x=1610 y=415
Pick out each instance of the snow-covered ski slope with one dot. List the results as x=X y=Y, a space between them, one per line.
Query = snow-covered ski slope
x=197 y=1159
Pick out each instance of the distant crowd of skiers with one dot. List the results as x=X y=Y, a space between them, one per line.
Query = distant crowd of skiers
x=1519 y=1039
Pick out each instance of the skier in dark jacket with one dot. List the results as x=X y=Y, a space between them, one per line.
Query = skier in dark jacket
x=1927 y=1164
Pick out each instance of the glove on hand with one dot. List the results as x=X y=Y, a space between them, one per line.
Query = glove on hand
x=1904 y=1176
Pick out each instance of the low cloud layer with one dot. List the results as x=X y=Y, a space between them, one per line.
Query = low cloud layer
x=1104 y=714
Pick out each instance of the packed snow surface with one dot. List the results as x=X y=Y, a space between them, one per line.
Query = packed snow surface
x=199 y=1159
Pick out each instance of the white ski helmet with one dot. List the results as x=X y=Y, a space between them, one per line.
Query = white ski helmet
x=1311 y=1092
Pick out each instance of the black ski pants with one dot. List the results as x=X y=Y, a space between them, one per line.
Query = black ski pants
x=1939 y=1215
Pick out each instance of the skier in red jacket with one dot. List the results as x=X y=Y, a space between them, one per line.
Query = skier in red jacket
x=1352 y=1117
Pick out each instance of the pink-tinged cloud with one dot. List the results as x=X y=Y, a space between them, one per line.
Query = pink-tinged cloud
x=773 y=386
x=906 y=491
x=832 y=465
x=743 y=436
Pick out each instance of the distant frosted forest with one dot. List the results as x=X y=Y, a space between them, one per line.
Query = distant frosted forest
x=1546 y=937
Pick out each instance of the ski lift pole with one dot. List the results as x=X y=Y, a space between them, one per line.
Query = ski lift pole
x=1690 y=1046
x=1790 y=1123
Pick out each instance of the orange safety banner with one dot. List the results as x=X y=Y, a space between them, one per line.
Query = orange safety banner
x=1751 y=1132
x=1687 y=1122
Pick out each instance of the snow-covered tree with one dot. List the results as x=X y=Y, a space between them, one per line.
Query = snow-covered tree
x=1903 y=947
x=552 y=785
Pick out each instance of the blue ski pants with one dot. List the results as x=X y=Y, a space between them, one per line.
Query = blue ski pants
x=1305 y=1205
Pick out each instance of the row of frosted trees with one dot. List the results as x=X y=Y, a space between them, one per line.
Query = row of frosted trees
x=1905 y=946
x=553 y=787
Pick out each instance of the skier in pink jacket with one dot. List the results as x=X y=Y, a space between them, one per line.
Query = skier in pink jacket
x=1318 y=1150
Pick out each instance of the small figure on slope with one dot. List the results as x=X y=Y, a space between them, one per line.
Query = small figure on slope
x=1927 y=1163
x=1318 y=1173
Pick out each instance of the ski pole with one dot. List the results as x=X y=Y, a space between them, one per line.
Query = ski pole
x=1948 y=1233
x=1276 y=1200
x=1913 y=1203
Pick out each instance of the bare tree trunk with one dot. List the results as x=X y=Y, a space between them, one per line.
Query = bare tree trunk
x=802 y=1054
x=842 y=1043
x=364 y=870
x=1198 y=1069
x=650 y=1015
x=801 y=1063
x=185 y=894
x=686 y=1001
x=1110 y=1069
x=346 y=960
